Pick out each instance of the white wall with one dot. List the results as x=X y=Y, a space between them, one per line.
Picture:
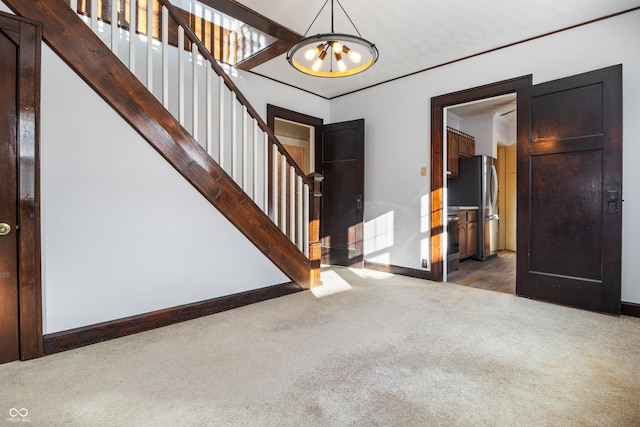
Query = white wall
x=122 y=232
x=480 y=126
x=397 y=117
x=261 y=91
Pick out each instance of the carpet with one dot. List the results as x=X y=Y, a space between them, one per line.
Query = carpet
x=365 y=349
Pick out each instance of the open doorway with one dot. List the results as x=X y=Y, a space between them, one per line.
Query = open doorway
x=482 y=133
x=338 y=155
x=439 y=104
x=299 y=140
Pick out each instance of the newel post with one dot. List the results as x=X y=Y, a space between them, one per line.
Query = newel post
x=315 y=247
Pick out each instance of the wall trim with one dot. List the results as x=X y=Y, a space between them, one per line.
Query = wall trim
x=92 y=334
x=403 y=271
x=630 y=309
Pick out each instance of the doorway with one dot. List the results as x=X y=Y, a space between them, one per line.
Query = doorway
x=338 y=155
x=439 y=105
x=491 y=126
x=569 y=156
x=299 y=141
x=20 y=280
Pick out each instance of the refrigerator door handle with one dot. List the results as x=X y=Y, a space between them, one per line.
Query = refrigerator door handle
x=494 y=176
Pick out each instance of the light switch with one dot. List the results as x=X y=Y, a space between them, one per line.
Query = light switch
x=423 y=171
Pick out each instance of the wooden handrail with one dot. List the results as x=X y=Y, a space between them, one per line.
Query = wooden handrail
x=88 y=56
x=188 y=31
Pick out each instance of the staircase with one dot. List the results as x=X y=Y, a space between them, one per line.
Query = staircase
x=155 y=72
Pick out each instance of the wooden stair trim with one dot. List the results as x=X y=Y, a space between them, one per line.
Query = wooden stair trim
x=90 y=58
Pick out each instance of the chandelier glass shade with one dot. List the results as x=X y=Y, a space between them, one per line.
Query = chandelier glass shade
x=332 y=54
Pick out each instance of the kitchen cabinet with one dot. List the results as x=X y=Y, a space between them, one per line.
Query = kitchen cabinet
x=466 y=146
x=468 y=232
x=452 y=154
x=459 y=145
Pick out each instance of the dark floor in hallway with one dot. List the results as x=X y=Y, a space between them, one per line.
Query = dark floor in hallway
x=496 y=274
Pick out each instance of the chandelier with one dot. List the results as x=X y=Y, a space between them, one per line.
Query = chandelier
x=332 y=54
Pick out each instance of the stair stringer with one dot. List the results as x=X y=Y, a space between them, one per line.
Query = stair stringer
x=88 y=56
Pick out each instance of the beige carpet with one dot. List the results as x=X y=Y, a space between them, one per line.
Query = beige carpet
x=367 y=349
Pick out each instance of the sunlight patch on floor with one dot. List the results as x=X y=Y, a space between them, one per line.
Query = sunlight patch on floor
x=332 y=284
x=370 y=274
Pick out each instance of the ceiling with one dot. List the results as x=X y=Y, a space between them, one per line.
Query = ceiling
x=414 y=35
x=504 y=106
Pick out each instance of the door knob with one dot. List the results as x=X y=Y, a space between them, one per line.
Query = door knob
x=359 y=201
x=4 y=229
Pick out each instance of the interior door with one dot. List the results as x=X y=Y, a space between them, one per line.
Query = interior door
x=9 y=320
x=569 y=191
x=340 y=159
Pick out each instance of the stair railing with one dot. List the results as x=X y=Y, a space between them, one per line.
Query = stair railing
x=161 y=49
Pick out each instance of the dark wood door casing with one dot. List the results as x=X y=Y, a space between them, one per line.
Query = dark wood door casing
x=570 y=190
x=438 y=104
x=26 y=35
x=9 y=315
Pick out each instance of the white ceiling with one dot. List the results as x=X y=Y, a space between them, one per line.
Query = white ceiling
x=413 y=35
x=504 y=105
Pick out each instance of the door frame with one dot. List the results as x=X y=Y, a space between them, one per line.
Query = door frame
x=274 y=112
x=27 y=35
x=438 y=210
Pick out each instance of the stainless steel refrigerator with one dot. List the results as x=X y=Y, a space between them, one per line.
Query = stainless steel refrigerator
x=477 y=185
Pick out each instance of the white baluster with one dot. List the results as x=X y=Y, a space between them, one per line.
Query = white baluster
x=165 y=57
x=150 y=45
x=274 y=185
x=283 y=193
x=244 y=147
x=94 y=15
x=292 y=204
x=114 y=27
x=305 y=222
x=132 y=35
x=181 y=75
x=299 y=215
x=234 y=136
x=255 y=160
x=74 y=5
x=194 y=78
x=221 y=128
x=209 y=114
x=265 y=177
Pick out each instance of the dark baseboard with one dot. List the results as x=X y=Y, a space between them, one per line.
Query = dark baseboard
x=630 y=309
x=403 y=271
x=86 y=335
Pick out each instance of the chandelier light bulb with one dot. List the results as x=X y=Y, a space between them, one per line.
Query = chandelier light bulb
x=316 y=65
x=355 y=56
x=341 y=65
x=309 y=54
x=337 y=47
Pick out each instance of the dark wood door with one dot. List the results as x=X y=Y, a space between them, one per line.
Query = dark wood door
x=569 y=191
x=340 y=159
x=9 y=321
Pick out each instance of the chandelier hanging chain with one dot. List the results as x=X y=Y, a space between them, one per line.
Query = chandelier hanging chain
x=346 y=14
x=314 y=19
x=332 y=29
